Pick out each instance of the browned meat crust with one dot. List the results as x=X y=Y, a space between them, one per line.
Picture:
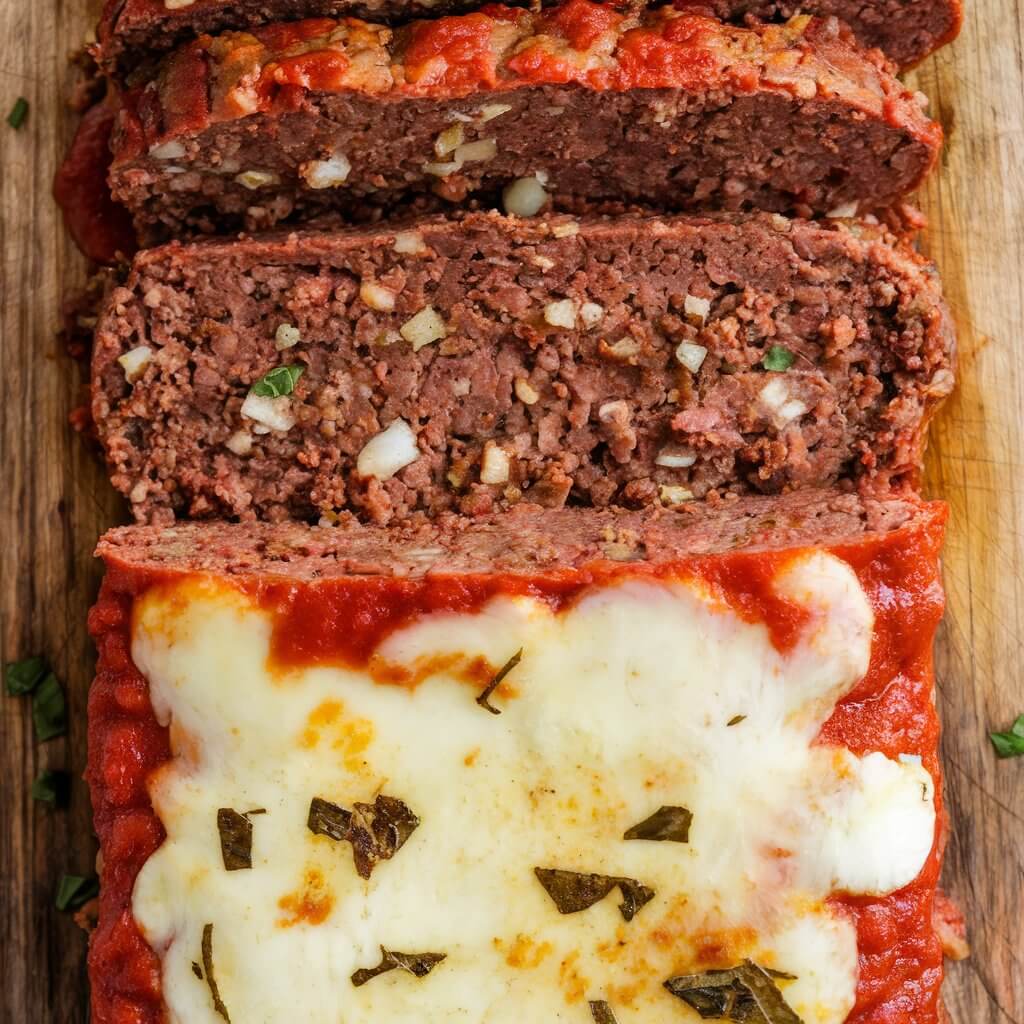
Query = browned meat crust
x=610 y=361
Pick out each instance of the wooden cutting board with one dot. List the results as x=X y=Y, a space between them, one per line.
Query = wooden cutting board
x=55 y=501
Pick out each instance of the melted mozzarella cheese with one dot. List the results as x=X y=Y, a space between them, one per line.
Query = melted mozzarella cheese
x=619 y=705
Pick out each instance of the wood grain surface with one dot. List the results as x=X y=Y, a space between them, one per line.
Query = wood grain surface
x=55 y=501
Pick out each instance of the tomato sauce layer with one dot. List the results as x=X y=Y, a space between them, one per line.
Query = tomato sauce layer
x=344 y=621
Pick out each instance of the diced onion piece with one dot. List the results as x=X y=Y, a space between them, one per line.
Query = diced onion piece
x=475 y=152
x=489 y=111
x=391 y=450
x=287 y=336
x=774 y=394
x=625 y=348
x=172 y=150
x=561 y=313
x=691 y=356
x=274 y=413
x=135 y=362
x=791 y=410
x=409 y=243
x=257 y=179
x=495 y=465
x=674 y=495
x=327 y=173
x=449 y=140
x=843 y=210
x=178 y=5
x=566 y=230
x=376 y=296
x=139 y=492
x=543 y=262
x=524 y=197
x=591 y=314
x=617 y=412
x=675 y=458
x=442 y=170
x=525 y=392
x=240 y=442
x=692 y=306
x=425 y=327
x=461 y=387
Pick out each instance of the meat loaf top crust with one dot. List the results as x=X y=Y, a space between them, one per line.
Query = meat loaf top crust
x=131 y=31
x=472 y=364
x=661 y=108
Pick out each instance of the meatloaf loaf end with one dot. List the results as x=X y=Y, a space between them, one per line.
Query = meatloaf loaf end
x=661 y=108
x=132 y=32
x=474 y=363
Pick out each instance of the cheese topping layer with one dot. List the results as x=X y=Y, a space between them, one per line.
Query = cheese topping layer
x=620 y=705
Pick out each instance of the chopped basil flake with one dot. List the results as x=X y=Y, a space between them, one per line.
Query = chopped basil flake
x=1010 y=744
x=778 y=358
x=22 y=677
x=602 y=1012
x=574 y=891
x=16 y=118
x=211 y=981
x=49 y=711
x=667 y=824
x=74 y=891
x=278 y=382
x=376 y=831
x=52 y=788
x=484 y=699
x=197 y=970
x=417 y=964
x=735 y=720
x=327 y=819
x=745 y=994
x=235 y=839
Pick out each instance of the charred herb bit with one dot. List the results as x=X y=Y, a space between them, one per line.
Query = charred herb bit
x=666 y=825
x=745 y=994
x=735 y=720
x=1010 y=744
x=378 y=831
x=602 y=1012
x=211 y=981
x=197 y=970
x=49 y=709
x=778 y=358
x=235 y=839
x=52 y=788
x=22 y=677
x=327 y=819
x=74 y=891
x=574 y=891
x=484 y=699
x=16 y=118
x=417 y=964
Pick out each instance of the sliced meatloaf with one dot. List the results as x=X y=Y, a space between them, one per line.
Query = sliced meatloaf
x=661 y=108
x=132 y=31
x=477 y=363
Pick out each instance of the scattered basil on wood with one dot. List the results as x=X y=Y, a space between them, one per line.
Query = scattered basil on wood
x=666 y=825
x=376 y=831
x=602 y=1012
x=16 y=118
x=211 y=981
x=235 y=839
x=484 y=699
x=49 y=710
x=1010 y=744
x=575 y=891
x=278 y=382
x=22 y=677
x=74 y=891
x=745 y=994
x=778 y=358
x=52 y=787
x=417 y=964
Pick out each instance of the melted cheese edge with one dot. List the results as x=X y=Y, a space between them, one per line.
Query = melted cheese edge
x=621 y=705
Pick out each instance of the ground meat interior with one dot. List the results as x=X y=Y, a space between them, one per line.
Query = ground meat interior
x=624 y=361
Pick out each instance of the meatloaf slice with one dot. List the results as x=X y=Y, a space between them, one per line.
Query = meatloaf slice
x=133 y=31
x=464 y=365
x=659 y=108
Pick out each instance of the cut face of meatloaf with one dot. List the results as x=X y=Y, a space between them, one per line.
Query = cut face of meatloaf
x=409 y=774
x=466 y=364
x=660 y=108
x=132 y=32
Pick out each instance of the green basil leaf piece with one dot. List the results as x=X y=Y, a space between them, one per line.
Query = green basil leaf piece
x=666 y=825
x=417 y=964
x=74 y=891
x=575 y=891
x=278 y=382
x=22 y=677
x=49 y=710
x=16 y=118
x=778 y=358
x=1010 y=744
x=52 y=787
x=235 y=839
x=484 y=699
x=211 y=981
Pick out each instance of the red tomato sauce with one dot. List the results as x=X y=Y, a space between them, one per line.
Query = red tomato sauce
x=345 y=621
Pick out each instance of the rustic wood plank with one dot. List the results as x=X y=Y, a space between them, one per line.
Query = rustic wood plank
x=55 y=502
